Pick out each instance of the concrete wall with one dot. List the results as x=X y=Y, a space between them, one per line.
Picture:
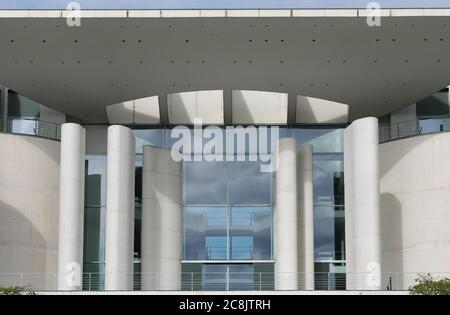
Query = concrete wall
x=415 y=205
x=29 y=203
x=96 y=139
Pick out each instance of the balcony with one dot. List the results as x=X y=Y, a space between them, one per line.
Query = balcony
x=415 y=127
x=31 y=127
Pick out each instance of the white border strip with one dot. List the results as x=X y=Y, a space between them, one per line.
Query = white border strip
x=222 y=13
x=99 y=13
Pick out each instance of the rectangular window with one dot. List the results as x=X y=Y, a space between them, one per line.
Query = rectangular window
x=328 y=179
x=248 y=185
x=222 y=233
x=323 y=140
x=205 y=233
x=94 y=222
x=227 y=277
x=251 y=233
x=205 y=183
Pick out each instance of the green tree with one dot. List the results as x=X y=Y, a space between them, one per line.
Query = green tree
x=425 y=284
x=16 y=291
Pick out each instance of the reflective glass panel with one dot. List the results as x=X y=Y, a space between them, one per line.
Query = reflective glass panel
x=328 y=179
x=248 y=185
x=214 y=277
x=241 y=277
x=94 y=220
x=152 y=137
x=251 y=233
x=205 y=183
x=205 y=233
x=322 y=140
x=329 y=233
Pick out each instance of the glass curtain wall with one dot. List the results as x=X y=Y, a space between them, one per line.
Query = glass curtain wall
x=227 y=225
x=94 y=222
x=329 y=218
x=228 y=216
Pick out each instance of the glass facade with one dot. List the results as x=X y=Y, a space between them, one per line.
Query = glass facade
x=328 y=196
x=21 y=115
x=227 y=223
x=94 y=222
x=429 y=115
x=228 y=215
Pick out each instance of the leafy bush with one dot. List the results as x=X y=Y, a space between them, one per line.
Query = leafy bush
x=425 y=284
x=16 y=291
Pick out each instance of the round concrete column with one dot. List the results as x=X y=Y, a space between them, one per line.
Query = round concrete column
x=305 y=216
x=161 y=235
x=362 y=190
x=71 y=211
x=286 y=258
x=119 y=240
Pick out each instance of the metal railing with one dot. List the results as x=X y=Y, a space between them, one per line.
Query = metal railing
x=414 y=128
x=31 y=126
x=227 y=281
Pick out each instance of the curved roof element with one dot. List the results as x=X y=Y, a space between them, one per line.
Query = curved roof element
x=143 y=111
x=259 y=107
x=312 y=110
x=185 y=107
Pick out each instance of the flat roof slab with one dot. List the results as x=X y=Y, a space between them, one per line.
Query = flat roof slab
x=122 y=55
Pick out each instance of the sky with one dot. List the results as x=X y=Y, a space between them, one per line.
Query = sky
x=193 y=4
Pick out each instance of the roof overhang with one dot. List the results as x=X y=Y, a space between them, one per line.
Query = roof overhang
x=122 y=55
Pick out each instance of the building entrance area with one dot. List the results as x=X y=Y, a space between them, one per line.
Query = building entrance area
x=227 y=277
x=228 y=216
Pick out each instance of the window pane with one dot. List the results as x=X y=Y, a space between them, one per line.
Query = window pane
x=205 y=183
x=214 y=277
x=264 y=276
x=205 y=233
x=328 y=179
x=95 y=180
x=248 y=185
x=322 y=140
x=20 y=106
x=434 y=105
x=152 y=137
x=94 y=218
x=251 y=233
x=191 y=276
x=241 y=277
x=329 y=233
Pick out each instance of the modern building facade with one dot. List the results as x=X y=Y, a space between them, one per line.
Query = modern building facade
x=315 y=154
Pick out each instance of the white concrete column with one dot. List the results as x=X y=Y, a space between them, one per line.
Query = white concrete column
x=119 y=240
x=286 y=258
x=362 y=197
x=161 y=235
x=348 y=197
x=71 y=211
x=305 y=217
